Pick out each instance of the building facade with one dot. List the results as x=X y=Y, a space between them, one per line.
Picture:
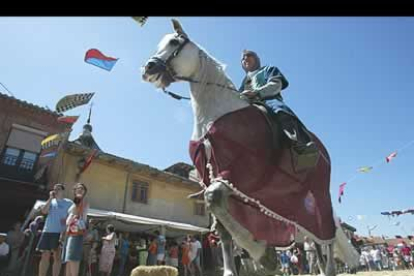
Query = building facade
x=114 y=183
x=125 y=186
x=22 y=128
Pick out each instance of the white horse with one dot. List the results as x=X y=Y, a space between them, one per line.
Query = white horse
x=247 y=190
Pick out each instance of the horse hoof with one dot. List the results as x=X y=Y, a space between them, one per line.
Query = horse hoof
x=228 y=273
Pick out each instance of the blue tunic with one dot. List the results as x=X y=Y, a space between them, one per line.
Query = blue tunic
x=260 y=78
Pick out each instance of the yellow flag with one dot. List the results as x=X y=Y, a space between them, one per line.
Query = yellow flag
x=53 y=140
x=50 y=139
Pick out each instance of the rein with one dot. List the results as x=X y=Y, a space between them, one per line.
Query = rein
x=174 y=76
x=179 y=97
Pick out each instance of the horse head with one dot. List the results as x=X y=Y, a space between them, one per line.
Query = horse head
x=177 y=58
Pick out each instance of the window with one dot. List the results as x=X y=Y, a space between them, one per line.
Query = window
x=28 y=161
x=10 y=156
x=199 y=208
x=25 y=138
x=21 y=159
x=140 y=191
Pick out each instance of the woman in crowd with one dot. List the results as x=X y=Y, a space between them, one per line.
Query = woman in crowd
x=152 y=252
x=185 y=259
x=75 y=230
x=108 y=251
x=173 y=254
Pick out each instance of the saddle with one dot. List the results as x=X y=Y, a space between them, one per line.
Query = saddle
x=275 y=129
x=282 y=140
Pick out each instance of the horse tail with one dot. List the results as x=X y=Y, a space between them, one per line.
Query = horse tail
x=343 y=248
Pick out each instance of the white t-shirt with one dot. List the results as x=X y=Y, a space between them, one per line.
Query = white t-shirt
x=309 y=246
x=194 y=246
x=376 y=255
x=237 y=251
x=367 y=256
x=362 y=260
x=4 y=249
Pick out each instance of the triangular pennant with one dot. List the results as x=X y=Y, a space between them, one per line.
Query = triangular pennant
x=68 y=119
x=391 y=156
x=140 y=19
x=365 y=169
x=341 y=191
x=71 y=101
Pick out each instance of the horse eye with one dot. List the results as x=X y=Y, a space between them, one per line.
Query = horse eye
x=174 y=42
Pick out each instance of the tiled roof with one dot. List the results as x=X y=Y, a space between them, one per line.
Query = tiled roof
x=27 y=104
x=134 y=165
x=181 y=169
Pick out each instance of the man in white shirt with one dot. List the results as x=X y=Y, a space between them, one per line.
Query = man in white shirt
x=4 y=251
x=310 y=250
x=368 y=259
x=195 y=255
x=4 y=247
x=376 y=257
x=363 y=263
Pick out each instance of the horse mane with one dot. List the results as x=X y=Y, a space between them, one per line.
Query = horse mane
x=210 y=64
x=220 y=65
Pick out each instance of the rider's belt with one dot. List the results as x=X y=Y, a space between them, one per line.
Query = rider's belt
x=278 y=97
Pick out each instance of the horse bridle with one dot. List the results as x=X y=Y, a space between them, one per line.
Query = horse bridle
x=169 y=70
x=173 y=75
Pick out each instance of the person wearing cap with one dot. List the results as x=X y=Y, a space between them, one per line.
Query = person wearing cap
x=264 y=84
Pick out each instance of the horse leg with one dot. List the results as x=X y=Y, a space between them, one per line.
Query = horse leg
x=330 y=269
x=216 y=197
x=320 y=259
x=227 y=249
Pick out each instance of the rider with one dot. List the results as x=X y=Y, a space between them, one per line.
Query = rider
x=264 y=84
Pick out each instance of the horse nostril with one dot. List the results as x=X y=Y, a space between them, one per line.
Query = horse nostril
x=150 y=65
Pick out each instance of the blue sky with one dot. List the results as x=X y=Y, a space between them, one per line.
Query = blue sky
x=350 y=82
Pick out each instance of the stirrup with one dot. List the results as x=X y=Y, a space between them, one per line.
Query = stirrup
x=304 y=156
x=292 y=136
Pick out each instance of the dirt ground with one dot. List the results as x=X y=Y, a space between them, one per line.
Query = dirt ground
x=382 y=273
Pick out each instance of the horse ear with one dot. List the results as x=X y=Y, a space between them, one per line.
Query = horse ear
x=177 y=27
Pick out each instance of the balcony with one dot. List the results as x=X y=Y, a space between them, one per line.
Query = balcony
x=18 y=164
